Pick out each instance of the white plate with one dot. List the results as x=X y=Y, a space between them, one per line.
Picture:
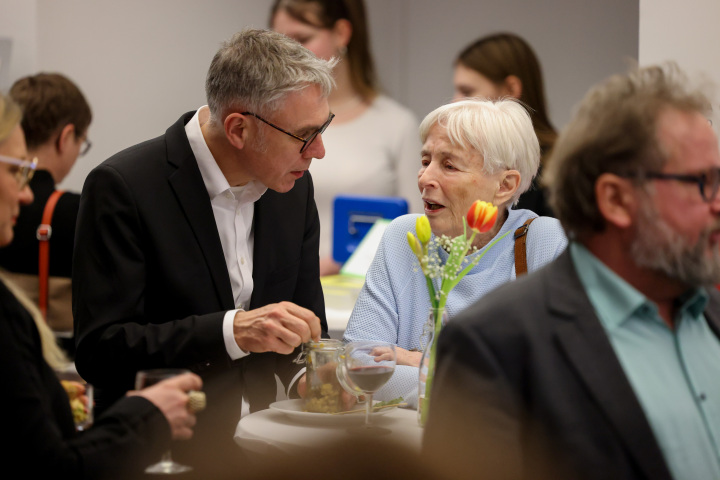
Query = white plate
x=293 y=409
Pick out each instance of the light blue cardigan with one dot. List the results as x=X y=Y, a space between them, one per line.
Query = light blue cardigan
x=394 y=303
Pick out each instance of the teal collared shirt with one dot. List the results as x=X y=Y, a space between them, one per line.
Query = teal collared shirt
x=675 y=373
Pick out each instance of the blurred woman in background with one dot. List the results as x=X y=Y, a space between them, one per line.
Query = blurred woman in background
x=504 y=65
x=373 y=143
x=36 y=414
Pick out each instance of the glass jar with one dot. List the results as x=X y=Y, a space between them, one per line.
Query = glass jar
x=437 y=319
x=324 y=393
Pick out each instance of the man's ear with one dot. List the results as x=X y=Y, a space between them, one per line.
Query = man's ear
x=508 y=185
x=616 y=199
x=237 y=128
x=65 y=139
x=513 y=86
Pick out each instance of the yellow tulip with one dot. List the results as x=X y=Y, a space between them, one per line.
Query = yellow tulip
x=422 y=227
x=414 y=244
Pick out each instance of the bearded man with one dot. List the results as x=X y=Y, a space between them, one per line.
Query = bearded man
x=606 y=363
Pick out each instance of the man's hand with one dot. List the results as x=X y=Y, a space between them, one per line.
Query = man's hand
x=278 y=327
x=403 y=357
x=171 y=397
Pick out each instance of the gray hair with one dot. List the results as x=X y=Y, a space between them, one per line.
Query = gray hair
x=614 y=131
x=256 y=69
x=500 y=130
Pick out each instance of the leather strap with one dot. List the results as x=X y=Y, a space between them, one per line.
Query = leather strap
x=521 y=249
x=43 y=234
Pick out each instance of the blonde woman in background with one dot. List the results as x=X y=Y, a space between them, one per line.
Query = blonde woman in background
x=372 y=146
x=36 y=410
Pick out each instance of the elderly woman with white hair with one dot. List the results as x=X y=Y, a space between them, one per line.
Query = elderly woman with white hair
x=472 y=150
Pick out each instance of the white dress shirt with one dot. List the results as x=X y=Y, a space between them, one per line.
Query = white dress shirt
x=233 y=209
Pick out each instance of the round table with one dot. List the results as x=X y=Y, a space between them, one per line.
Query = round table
x=269 y=431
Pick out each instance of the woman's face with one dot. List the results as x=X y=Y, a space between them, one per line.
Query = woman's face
x=11 y=196
x=450 y=180
x=470 y=83
x=323 y=42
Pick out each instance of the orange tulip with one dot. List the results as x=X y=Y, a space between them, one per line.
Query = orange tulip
x=481 y=216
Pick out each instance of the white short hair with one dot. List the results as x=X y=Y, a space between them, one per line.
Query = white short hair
x=499 y=130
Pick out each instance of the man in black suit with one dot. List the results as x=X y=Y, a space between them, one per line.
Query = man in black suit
x=56 y=118
x=606 y=363
x=199 y=249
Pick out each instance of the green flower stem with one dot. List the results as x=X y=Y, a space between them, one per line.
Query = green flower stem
x=425 y=407
x=438 y=306
x=451 y=283
x=431 y=290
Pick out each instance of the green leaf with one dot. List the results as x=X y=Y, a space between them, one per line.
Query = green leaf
x=394 y=401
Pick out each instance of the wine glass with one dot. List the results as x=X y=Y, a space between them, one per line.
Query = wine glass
x=146 y=378
x=368 y=365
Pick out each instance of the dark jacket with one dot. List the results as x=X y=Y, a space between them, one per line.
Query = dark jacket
x=151 y=288
x=21 y=256
x=529 y=385
x=41 y=441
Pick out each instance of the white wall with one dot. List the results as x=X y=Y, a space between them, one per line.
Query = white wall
x=578 y=42
x=687 y=32
x=142 y=63
x=18 y=20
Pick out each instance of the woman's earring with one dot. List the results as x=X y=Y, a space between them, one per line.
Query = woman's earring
x=342 y=51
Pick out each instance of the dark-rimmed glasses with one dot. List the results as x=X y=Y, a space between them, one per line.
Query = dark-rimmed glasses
x=708 y=182
x=306 y=141
x=25 y=171
x=85 y=148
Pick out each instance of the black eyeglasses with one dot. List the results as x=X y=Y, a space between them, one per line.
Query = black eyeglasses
x=25 y=171
x=708 y=182
x=84 y=147
x=306 y=141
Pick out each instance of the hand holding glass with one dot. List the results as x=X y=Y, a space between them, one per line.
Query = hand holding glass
x=147 y=378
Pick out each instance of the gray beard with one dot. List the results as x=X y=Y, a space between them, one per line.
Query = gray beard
x=658 y=247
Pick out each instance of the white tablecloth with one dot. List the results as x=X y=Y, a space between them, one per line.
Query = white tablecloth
x=269 y=431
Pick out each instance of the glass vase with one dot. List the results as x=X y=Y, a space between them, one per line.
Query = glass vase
x=437 y=318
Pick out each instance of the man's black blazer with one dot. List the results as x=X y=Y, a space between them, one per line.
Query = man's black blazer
x=150 y=284
x=528 y=386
